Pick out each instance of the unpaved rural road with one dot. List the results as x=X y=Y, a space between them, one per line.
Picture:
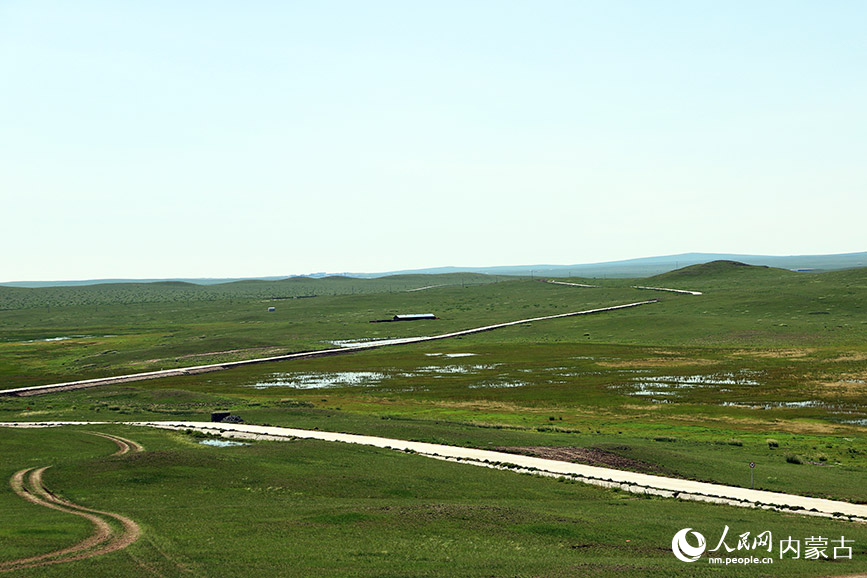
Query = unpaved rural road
x=683 y=291
x=70 y=385
x=104 y=539
x=629 y=481
x=570 y=284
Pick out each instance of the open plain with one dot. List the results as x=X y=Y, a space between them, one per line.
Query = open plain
x=739 y=365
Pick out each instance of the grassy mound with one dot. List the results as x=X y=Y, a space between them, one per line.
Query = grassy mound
x=715 y=269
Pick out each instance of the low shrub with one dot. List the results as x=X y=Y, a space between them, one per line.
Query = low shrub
x=794 y=459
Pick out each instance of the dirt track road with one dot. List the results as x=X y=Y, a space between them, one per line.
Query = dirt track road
x=105 y=538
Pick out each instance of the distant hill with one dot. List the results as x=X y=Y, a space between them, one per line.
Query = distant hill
x=716 y=268
x=649 y=266
x=81 y=283
x=642 y=267
x=13 y=298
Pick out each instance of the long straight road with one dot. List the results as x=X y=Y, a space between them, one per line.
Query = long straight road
x=85 y=383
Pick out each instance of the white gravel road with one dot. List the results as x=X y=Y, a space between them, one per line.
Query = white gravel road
x=629 y=481
x=683 y=291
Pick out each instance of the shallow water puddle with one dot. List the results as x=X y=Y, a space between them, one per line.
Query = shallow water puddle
x=365 y=378
x=839 y=407
x=322 y=380
x=221 y=443
x=450 y=369
x=496 y=385
x=62 y=338
x=671 y=385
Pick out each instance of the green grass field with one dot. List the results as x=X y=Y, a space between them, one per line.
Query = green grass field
x=309 y=508
x=767 y=366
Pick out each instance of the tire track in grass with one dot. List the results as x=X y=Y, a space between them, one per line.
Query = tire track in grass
x=124 y=445
x=104 y=538
x=24 y=488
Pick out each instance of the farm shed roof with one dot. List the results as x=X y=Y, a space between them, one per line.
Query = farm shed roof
x=411 y=316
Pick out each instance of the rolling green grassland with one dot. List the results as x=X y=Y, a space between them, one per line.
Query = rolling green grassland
x=746 y=307
x=308 y=508
x=767 y=366
x=141 y=336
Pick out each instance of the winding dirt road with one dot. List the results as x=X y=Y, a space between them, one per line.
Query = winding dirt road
x=105 y=537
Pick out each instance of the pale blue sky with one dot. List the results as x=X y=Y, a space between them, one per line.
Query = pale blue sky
x=194 y=139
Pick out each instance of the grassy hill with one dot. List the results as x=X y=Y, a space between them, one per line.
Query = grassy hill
x=718 y=268
x=15 y=298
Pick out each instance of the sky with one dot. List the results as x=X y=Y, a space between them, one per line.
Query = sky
x=225 y=139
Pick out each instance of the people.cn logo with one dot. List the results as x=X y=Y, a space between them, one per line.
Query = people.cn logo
x=683 y=550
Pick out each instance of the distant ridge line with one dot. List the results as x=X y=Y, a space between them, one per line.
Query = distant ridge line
x=639 y=267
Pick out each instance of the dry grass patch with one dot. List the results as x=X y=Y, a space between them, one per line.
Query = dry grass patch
x=776 y=353
x=647 y=408
x=263 y=350
x=780 y=425
x=853 y=385
x=235 y=353
x=659 y=362
x=851 y=357
x=483 y=405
